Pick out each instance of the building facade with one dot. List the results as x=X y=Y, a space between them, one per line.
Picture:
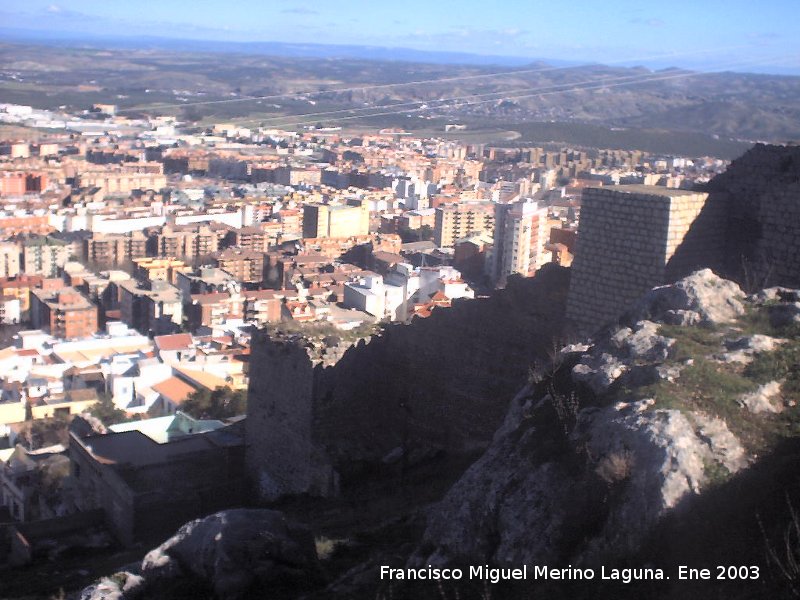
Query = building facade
x=65 y=313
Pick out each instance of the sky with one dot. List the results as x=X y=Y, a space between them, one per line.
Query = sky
x=738 y=35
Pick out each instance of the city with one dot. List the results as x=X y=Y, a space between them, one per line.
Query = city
x=410 y=339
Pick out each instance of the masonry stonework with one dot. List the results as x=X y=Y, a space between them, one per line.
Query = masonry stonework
x=321 y=416
x=630 y=239
x=745 y=225
x=761 y=193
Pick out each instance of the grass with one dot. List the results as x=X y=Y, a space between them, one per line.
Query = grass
x=319 y=330
x=691 y=342
x=712 y=388
x=716 y=472
x=782 y=364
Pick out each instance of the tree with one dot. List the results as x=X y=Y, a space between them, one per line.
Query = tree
x=422 y=234
x=107 y=412
x=222 y=403
x=426 y=233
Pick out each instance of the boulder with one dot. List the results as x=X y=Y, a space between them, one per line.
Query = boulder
x=766 y=399
x=776 y=294
x=702 y=297
x=230 y=551
x=642 y=342
x=120 y=586
x=598 y=371
x=742 y=350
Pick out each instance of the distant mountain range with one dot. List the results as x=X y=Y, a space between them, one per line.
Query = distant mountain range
x=286 y=85
x=300 y=50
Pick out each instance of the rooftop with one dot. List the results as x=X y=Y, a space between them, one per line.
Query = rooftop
x=166 y=429
x=177 y=341
x=175 y=390
x=651 y=190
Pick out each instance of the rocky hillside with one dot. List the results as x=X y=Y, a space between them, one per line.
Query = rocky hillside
x=690 y=388
x=670 y=438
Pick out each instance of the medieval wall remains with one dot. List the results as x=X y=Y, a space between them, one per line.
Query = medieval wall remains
x=761 y=194
x=439 y=384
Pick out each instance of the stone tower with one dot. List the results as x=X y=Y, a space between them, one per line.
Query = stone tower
x=632 y=238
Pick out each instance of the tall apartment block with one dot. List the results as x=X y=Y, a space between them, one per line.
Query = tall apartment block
x=110 y=249
x=9 y=259
x=455 y=221
x=44 y=255
x=520 y=233
x=632 y=238
x=191 y=241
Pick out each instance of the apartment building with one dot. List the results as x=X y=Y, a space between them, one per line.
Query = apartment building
x=65 y=313
x=455 y=221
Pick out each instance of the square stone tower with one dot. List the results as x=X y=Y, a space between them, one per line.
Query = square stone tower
x=632 y=238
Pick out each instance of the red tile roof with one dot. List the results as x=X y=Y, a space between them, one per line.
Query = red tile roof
x=177 y=341
x=174 y=389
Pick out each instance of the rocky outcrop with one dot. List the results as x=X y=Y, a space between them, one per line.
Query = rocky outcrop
x=700 y=298
x=766 y=399
x=229 y=553
x=742 y=350
x=571 y=458
x=508 y=511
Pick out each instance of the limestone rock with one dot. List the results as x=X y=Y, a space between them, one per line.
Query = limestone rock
x=598 y=372
x=514 y=506
x=232 y=550
x=642 y=342
x=776 y=294
x=766 y=399
x=742 y=350
x=724 y=446
x=712 y=299
x=106 y=589
x=121 y=586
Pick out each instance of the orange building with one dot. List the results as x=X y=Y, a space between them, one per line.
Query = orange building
x=64 y=313
x=17 y=183
x=30 y=224
x=20 y=288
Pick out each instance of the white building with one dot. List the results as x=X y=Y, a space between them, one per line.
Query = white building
x=520 y=233
x=372 y=295
x=393 y=297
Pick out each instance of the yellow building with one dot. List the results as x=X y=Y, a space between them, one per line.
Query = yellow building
x=12 y=412
x=159 y=269
x=75 y=403
x=455 y=221
x=335 y=220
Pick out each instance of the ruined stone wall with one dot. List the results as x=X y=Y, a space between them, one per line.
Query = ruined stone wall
x=630 y=238
x=281 y=456
x=439 y=384
x=761 y=197
x=780 y=235
x=746 y=229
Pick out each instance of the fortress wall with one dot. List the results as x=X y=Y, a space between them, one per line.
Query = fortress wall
x=779 y=215
x=440 y=384
x=761 y=196
x=280 y=454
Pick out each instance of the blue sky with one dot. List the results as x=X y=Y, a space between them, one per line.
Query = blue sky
x=712 y=34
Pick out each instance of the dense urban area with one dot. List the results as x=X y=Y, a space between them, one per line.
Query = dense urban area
x=154 y=270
